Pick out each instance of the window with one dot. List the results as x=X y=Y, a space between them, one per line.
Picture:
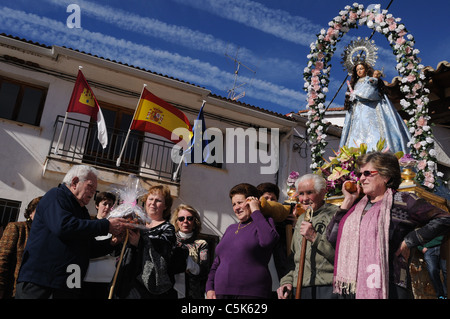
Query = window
x=21 y=102
x=117 y=121
x=9 y=211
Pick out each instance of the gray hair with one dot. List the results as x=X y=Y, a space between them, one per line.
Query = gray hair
x=80 y=171
x=320 y=183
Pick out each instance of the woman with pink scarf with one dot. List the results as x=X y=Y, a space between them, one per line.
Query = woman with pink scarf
x=373 y=235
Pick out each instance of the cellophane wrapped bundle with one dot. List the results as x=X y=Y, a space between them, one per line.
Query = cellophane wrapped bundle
x=129 y=209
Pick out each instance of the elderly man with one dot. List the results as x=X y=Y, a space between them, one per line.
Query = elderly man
x=62 y=239
x=319 y=257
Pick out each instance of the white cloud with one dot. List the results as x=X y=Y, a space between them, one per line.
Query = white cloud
x=45 y=30
x=279 y=23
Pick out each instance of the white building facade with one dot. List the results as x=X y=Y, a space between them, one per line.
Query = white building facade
x=35 y=89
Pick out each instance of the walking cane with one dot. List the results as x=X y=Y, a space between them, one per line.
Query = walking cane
x=301 y=266
x=111 y=290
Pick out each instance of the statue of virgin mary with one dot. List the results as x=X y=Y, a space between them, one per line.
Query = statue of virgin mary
x=371 y=116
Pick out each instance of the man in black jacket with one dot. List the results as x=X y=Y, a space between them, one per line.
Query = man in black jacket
x=62 y=239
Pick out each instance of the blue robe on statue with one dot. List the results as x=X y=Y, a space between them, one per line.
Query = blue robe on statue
x=372 y=117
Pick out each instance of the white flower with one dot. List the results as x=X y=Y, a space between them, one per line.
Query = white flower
x=429 y=140
x=426 y=128
x=433 y=152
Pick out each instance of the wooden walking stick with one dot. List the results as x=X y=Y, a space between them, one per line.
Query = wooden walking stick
x=111 y=290
x=301 y=265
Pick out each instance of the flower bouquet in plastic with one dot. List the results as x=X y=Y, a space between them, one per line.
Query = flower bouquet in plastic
x=129 y=195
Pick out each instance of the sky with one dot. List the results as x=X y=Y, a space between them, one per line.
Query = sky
x=204 y=42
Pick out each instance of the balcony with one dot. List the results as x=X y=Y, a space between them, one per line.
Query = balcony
x=147 y=157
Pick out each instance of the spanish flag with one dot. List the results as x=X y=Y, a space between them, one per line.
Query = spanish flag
x=83 y=101
x=154 y=115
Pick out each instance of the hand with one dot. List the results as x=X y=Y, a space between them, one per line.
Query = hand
x=307 y=230
x=211 y=294
x=253 y=203
x=284 y=291
x=403 y=250
x=350 y=198
x=118 y=225
x=424 y=250
x=133 y=237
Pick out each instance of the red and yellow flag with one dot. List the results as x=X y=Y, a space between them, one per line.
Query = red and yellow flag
x=156 y=116
x=83 y=101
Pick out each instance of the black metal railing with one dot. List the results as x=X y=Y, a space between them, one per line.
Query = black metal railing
x=143 y=155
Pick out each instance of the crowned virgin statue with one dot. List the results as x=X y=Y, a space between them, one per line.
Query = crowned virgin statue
x=371 y=116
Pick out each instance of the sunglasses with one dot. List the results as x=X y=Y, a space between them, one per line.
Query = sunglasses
x=189 y=218
x=366 y=173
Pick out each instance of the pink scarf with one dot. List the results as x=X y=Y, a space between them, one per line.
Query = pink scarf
x=361 y=264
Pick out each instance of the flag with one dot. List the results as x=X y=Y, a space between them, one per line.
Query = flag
x=198 y=150
x=83 y=101
x=154 y=115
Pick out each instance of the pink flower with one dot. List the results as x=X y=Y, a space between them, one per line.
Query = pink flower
x=417 y=146
x=410 y=66
x=320 y=56
x=401 y=33
x=418 y=132
x=392 y=27
x=390 y=21
x=429 y=185
x=319 y=65
x=416 y=87
x=422 y=164
x=315 y=80
x=315 y=72
x=379 y=18
x=411 y=78
x=408 y=50
x=353 y=15
x=418 y=102
x=400 y=40
x=421 y=121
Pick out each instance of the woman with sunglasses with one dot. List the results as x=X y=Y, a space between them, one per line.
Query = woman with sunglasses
x=373 y=235
x=191 y=252
x=240 y=269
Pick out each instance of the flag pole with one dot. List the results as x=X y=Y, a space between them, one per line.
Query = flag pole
x=129 y=129
x=182 y=157
x=60 y=134
x=64 y=123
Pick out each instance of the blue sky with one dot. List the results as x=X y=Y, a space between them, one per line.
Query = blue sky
x=197 y=40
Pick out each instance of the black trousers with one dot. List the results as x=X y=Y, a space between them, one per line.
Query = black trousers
x=29 y=290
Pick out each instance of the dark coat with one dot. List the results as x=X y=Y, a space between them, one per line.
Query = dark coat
x=62 y=234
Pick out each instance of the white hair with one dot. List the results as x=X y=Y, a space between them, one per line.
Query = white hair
x=320 y=183
x=80 y=171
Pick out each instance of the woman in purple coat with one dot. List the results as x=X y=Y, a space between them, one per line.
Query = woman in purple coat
x=240 y=269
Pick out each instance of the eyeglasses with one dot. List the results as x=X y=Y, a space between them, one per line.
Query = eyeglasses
x=189 y=218
x=366 y=173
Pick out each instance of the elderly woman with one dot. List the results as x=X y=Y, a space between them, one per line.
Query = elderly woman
x=240 y=269
x=12 y=245
x=145 y=270
x=374 y=235
x=191 y=281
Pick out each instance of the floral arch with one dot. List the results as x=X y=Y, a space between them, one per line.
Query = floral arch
x=316 y=76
